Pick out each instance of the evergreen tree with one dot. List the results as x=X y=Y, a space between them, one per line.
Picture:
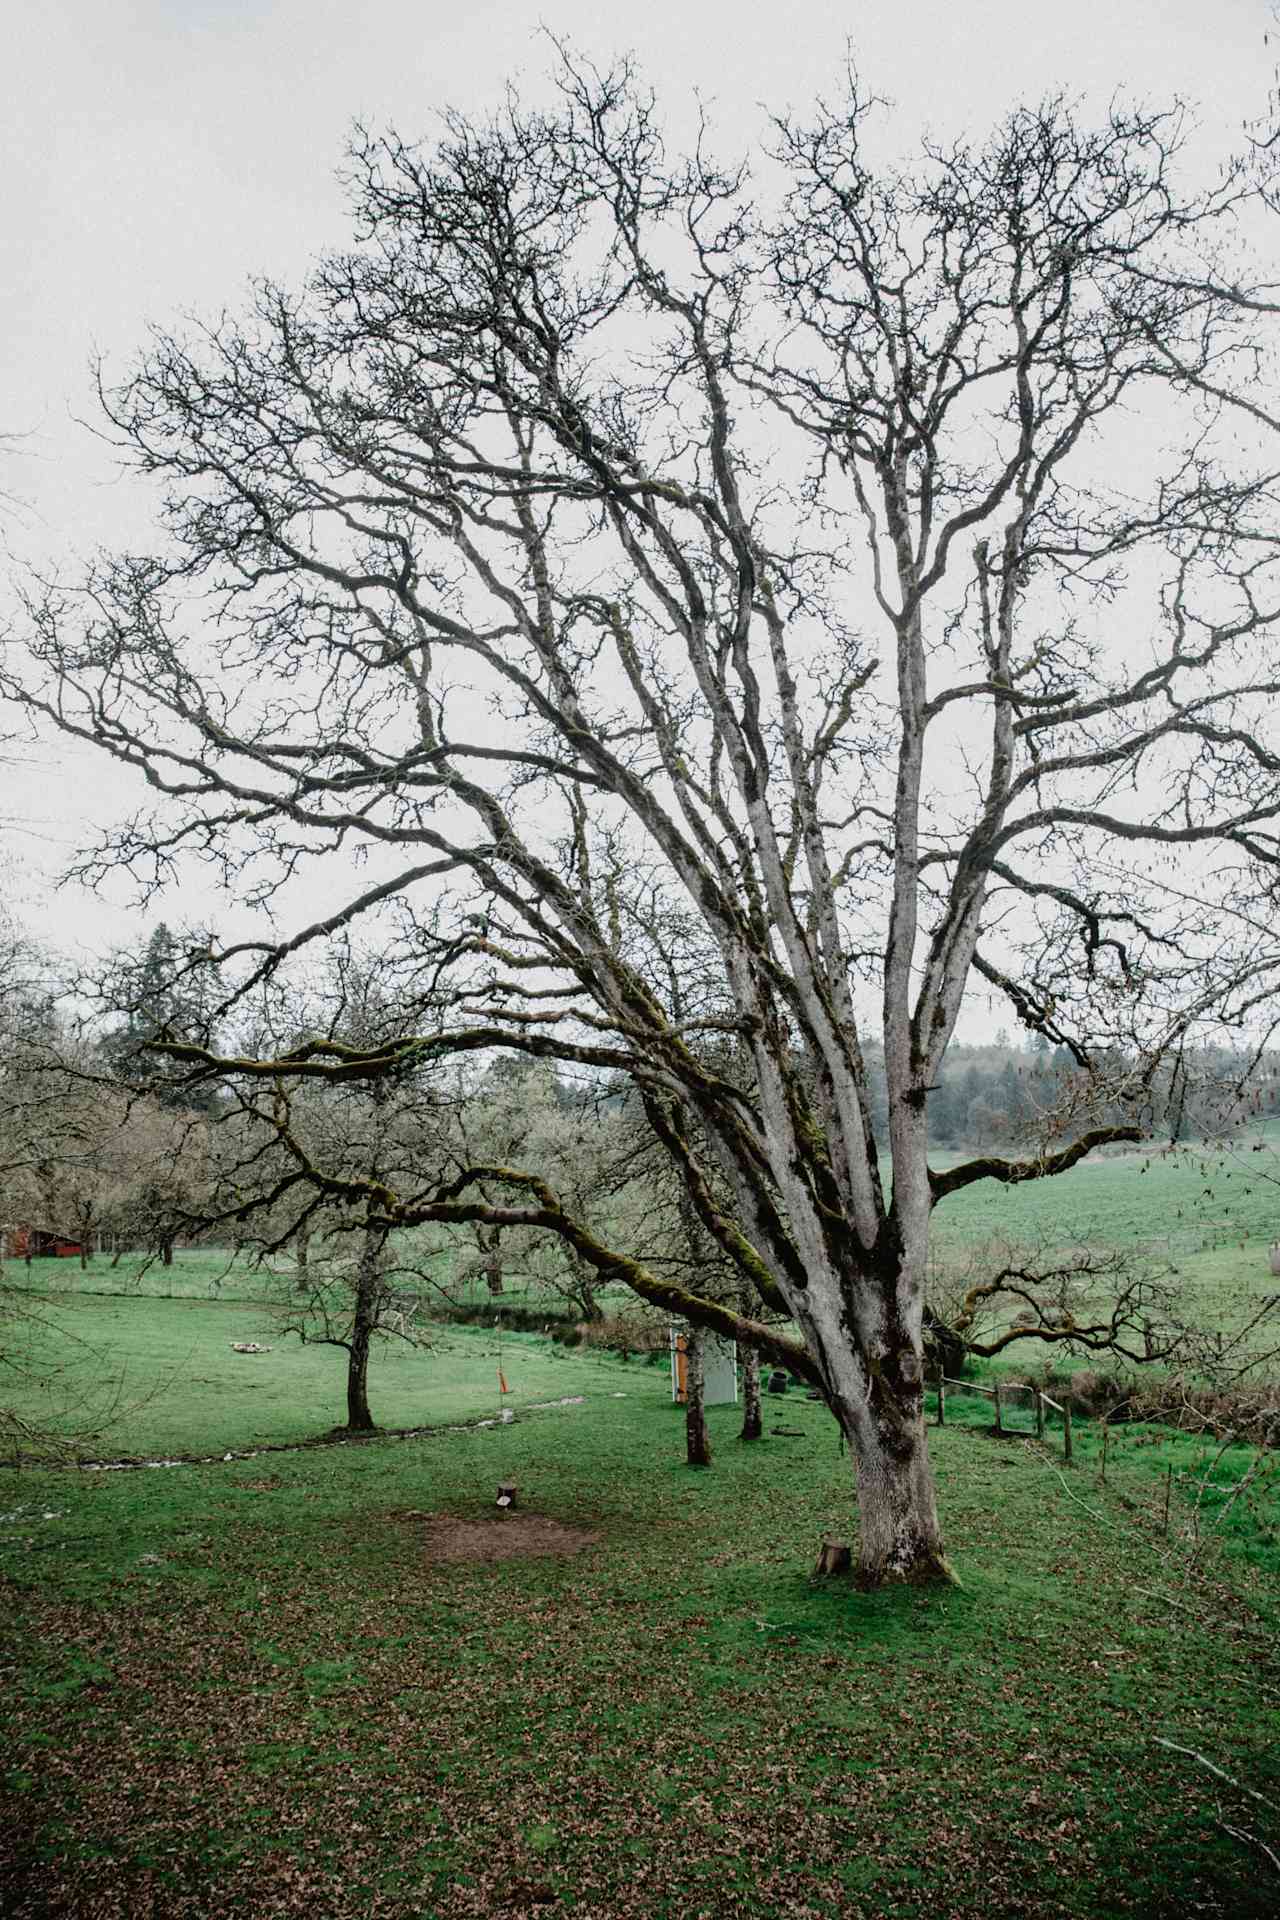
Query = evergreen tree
x=163 y=995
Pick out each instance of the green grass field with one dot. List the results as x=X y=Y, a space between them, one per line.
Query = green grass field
x=136 y=1344
x=197 y=1273
x=1202 y=1222
x=1186 y=1201
x=255 y=1689
x=1208 y=1215
x=138 y=1375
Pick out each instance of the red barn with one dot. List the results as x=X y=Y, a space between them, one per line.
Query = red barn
x=39 y=1243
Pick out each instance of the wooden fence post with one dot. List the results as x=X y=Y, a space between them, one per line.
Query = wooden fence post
x=1066 y=1430
x=999 y=1410
x=942 y=1398
x=1039 y=1415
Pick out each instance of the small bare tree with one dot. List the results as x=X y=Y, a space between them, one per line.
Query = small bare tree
x=312 y=1169
x=354 y=1292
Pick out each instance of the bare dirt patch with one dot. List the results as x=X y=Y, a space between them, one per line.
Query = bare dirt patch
x=504 y=1536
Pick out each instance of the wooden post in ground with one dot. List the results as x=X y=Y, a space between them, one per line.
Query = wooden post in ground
x=942 y=1398
x=1066 y=1430
x=1102 y=1471
x=1039 y=1414
x=999 y=1410
x=834 y=1558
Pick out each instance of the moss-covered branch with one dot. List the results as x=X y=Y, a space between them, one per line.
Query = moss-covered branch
x=1012 y=1172
x=608 y=1263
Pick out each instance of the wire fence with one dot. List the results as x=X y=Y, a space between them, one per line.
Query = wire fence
x=1018 y=1409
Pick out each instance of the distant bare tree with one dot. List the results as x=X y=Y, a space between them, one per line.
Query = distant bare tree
x=311 y=1169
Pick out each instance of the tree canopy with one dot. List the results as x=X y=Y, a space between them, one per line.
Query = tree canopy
x=729 y=608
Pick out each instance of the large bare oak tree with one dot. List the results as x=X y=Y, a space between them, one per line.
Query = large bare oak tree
x=730 y=612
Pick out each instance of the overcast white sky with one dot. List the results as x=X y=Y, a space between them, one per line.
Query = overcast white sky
x=157 y=153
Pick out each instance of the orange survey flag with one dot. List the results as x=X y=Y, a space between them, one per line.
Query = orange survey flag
x=502 y=1382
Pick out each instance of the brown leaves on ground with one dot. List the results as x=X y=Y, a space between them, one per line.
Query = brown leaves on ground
x=508 y=1536
x=328 y=1707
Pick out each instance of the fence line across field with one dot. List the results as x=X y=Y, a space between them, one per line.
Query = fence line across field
x=998 y=1394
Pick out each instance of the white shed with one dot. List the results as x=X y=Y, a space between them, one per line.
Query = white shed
x=719 y=1368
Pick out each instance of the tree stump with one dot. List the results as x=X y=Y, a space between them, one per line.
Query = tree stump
x=506 y=1494
x=778 y=1381
x=834 y=1558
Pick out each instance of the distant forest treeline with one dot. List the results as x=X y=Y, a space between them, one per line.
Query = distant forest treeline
x=1002 y=1096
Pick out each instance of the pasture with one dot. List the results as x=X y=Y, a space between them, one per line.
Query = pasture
x=144 y=1375
x=335 y=1680
x=1207 y=1216
x=328 y=1682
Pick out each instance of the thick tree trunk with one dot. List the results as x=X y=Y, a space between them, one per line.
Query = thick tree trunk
x=752 y=1423
x=697 y=1439
x=898 y=1534
x=875 y=1388
x=166 y=1253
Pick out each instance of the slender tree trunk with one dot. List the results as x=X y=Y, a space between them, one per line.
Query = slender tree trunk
x=490 y=1244
x=583 y=1293
x=166 y=1253
x=697 y=1439
x=752 y=1423
x=359 y=1418
x=301 y=1255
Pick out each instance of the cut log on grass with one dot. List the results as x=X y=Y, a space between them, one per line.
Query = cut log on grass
x=506 y=1495
x=835 y=1557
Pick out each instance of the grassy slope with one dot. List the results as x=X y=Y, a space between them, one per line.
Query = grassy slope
x=1195 y=1200
x=1210 y=1216
x=241 y=1690
x=197 y=1273
x=1185 y=1204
